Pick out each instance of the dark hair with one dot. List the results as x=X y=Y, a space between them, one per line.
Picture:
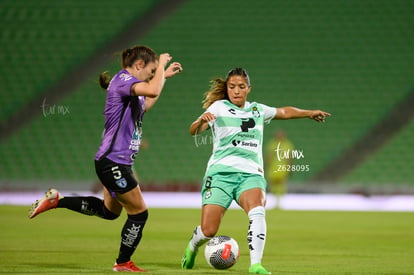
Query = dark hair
x=238 y=71
x=218 y=87
x=129 y=56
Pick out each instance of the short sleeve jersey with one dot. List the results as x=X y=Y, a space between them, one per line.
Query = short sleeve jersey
x=238 y=137
x=123 y=121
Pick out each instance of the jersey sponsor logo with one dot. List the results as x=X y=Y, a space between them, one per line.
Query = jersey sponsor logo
x=244 y=143
x=133 y=233
x=249 y=144
x=135 y=139
x=246 y=135
x=125 y=77
x=247 y=123
x=133 y=156
x=134 y=144
x=235 y=142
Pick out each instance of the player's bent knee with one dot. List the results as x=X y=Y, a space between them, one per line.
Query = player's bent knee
x=108 y=215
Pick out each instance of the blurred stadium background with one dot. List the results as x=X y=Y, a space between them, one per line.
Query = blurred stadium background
x=352 y=58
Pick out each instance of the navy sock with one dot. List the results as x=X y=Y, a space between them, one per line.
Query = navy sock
x=131 y=236
x=90 y=206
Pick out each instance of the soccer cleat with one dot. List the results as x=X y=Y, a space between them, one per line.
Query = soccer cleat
x=49 y=201
x=127 y=267
x=187 y=262
x=258 y=269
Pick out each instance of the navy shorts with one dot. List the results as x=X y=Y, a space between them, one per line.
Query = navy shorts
x=117 y=178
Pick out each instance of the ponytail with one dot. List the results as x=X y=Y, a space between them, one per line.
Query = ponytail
x=104 y=79
x=218 y=91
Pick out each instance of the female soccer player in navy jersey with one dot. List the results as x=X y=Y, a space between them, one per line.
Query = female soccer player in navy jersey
x=235 y=169
x=130 y=93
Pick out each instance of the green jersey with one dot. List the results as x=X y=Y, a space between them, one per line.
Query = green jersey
x=238 y=137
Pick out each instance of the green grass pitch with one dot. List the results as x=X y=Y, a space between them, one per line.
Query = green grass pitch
x=298 y=242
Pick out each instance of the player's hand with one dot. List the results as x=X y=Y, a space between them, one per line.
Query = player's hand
x=164 y=59
x=173 y=69
x=201 y=123
x=319 y=115
x=207 y=117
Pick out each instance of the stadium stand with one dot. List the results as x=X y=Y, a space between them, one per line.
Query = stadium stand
x=42 y=40
x=390 y=167
x=351 y=58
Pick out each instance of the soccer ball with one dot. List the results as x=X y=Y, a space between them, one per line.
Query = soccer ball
x=221 y=252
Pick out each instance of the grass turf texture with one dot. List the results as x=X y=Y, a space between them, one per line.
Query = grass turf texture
x=298 y=242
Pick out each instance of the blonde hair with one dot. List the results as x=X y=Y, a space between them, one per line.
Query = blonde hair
x=218 y=91
x=218 y=87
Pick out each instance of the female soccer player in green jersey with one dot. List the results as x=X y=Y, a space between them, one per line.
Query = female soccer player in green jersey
x=235 y=169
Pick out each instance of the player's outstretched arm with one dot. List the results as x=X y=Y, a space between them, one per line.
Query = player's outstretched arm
x=293 y=112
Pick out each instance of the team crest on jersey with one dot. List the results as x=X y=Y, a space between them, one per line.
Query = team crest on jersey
x=122 y=183
x=255 y=112
x=208 y=194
